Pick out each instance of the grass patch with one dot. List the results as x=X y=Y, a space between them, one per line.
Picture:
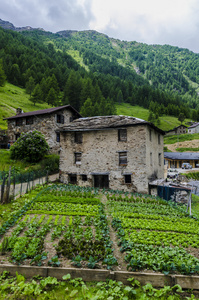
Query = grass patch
x=195 y=205
x=50 y=162
x=13 y=97
x=180 y=138
x=187 y=149
x=166 y=122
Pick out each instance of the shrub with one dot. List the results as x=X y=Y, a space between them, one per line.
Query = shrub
x=30 y=146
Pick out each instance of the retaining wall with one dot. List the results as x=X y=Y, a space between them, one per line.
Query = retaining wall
x=157 y=280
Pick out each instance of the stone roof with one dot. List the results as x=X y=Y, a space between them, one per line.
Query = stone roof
x=182 y=155
x=105 y=122
x=193 y=126
x=43 y=112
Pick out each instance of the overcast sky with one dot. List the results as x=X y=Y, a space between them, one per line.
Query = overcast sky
x=173 y=22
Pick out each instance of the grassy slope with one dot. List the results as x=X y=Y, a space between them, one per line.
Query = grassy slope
x=166 y=122
x=12 y=97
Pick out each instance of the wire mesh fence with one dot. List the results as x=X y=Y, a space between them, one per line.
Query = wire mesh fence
x=14 y=183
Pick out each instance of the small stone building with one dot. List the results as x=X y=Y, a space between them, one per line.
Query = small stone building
x=193 y=128
x=116 y=152
x=181 y=129
x=47 y=121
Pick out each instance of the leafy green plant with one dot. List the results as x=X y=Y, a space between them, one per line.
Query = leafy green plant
x=30 y=146
x=54 y=261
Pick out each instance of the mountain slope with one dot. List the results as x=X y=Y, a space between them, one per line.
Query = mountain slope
x=88 y=67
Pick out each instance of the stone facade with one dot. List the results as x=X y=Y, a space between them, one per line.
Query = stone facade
x=194 y=128
x=181 y=129
x=125 y=157
x=47 y=121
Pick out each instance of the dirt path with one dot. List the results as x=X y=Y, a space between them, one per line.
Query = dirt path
x=186 y=144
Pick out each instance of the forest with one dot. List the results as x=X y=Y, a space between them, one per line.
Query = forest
x=92 y=72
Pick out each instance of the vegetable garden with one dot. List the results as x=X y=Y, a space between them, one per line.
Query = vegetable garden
x=66 y=225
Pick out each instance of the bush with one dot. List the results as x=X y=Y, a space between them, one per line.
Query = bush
x=30 y=146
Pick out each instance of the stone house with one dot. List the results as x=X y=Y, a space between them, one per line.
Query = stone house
x=47 y=121
x=116 y=152
x=181 y=129
x=194 y=128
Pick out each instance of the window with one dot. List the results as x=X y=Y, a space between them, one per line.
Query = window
x=84 y=177
x=60 y=119
x=29 y=121
x=78 y=137
x=160 y=159
x=17 y=135
x=122 y=135
x=72 y=178
x=123 y=158
x=151 y=162
x=150 y=135
x=19 y=122
x=78 y=157
x=127 y=178
x=58 y=137
x=159 y=140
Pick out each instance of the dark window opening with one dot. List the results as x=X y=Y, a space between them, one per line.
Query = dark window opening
x=84 y=177
x=78 y=157
x=17 y=136
x=122 y=135
x=19 y=122
x=127 y=178
x=60 y=119
x=159 y=141
x=72 y=178
x=122 y=158
x=101 y=181
x=150 y=134
x=58 y=137
x=78 y=137
x=29 y=121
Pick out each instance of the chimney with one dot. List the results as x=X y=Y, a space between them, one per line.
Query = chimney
x=18 y=111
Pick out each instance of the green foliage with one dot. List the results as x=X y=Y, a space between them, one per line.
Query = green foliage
x=30 y=146
x=2 y=75
x=180 y=138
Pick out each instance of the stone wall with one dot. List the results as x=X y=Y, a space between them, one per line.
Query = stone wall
x=46 y=124
x=100 y=150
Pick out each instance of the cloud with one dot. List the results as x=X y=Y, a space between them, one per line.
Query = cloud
x=48 y=14
x=173 y=22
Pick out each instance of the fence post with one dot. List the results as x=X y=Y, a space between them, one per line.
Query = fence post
x=2 y=188
x=7 y=198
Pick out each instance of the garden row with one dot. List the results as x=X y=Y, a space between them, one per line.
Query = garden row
x=64 y=225
x=71 y=221
x=155 y=235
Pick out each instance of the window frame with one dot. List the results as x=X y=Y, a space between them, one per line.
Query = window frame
x=29 y=120
x=59 y=118
x=123 y=158
x=122 y=135
x=78 y=158
x=19 y=122
x=160 y=159
x=127 y=179
x=58 y=137
x=78 y=137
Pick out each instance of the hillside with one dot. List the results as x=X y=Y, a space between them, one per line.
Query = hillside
x=12 y=97
x=94 y=73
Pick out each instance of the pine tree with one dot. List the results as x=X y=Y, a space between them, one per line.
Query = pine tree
x=2 y=76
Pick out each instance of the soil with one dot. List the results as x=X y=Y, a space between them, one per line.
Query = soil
x=186 y=144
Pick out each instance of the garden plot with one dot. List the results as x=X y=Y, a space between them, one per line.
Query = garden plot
x=61 y=226
x=155 y=235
